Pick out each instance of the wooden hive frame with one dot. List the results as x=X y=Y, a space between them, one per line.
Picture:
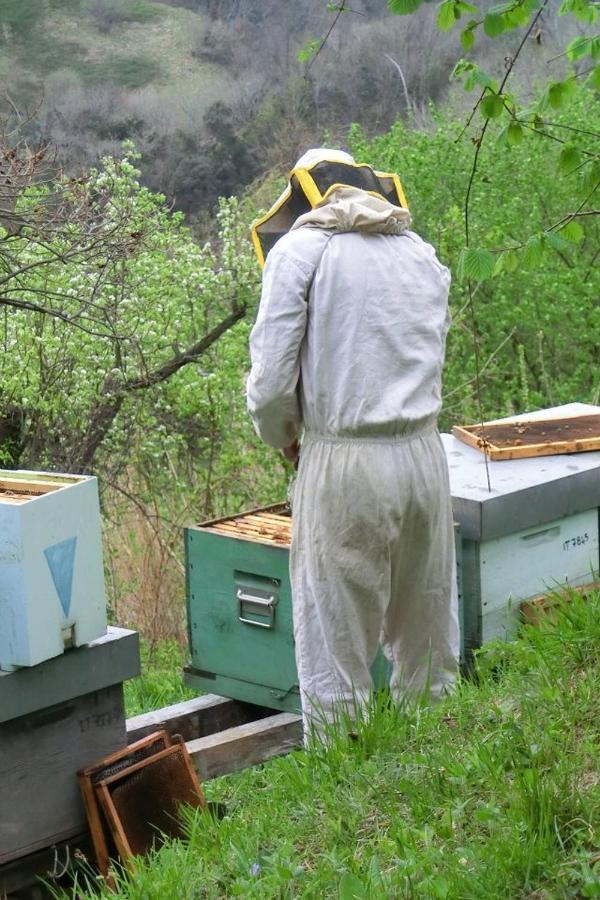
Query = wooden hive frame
x=271 y=525
x=104 y=789
x=549 y=436
x=90 y=777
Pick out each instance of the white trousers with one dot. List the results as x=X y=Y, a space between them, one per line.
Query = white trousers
x=372 y=560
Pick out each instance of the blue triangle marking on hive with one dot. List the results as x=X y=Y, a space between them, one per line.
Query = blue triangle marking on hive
x=61 y=558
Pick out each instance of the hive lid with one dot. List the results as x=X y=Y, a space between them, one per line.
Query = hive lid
x=525 y=492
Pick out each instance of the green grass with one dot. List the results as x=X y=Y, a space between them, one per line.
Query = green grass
x=493 y=794
x=161 y=683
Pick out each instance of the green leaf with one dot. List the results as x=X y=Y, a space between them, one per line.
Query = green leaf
x=578 y=48
x=351 y=888
x=404 y=7
x=477 y=76
x=462 y=66
x=556 y=94
x=595 y=51
x=499 y=267
x=556 y=241
x=573 y=232
x=447 y=15
x=534 y=250
x=594 y=80
x=467 y=36
x=584 y=10
x=591 y=888
x=493 y=25
x=506 y=262
x=591 y=177
x=500 y=8
x=309 y=50
x=518 y=17
x=569 y=159
x=491 y=106
x=515 y=133
x=477 y=265
x=559 y=92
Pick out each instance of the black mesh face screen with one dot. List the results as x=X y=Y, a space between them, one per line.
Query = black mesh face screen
x=280 y=223
x=297 y=204
x=268 y=241
x=391 y=196
x=325 y=174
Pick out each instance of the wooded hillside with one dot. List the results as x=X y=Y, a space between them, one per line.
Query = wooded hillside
x=212 y=91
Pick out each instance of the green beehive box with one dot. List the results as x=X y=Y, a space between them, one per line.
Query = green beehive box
x=239 y=610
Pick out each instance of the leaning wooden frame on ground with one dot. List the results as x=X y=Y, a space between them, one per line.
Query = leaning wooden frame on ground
x=132 y=797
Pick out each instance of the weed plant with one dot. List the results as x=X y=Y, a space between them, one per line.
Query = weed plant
x=493 y=793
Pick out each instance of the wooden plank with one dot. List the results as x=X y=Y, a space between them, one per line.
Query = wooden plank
x=108 y=660
x=537 y=608
x=242 y=528
x=273 y=508
x=195 y=718
x=258 y=539
x=538 y=450
x=33 y=487
x=249 y=534
x=246 y=745
x=274 y=524
x=286 y=521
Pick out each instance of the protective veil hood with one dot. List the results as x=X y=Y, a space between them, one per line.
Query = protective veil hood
x=328 y=189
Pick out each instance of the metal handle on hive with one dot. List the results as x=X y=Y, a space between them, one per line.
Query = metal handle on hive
x=266 y=606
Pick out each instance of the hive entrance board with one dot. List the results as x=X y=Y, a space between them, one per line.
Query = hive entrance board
x=535 y=437
x=269 y=526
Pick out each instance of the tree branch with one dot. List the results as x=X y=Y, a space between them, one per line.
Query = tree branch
x=190 y=355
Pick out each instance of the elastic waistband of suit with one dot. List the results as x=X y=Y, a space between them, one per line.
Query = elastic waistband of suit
x=404 y=437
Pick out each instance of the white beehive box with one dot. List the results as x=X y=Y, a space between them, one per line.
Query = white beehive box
x=51 y=574
x=506 y=570
x=536 y=530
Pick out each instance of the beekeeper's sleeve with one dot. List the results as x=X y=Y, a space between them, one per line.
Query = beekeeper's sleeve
x=275 y=342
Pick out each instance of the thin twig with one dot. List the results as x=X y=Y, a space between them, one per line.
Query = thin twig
x=564 y=53
x=340 y=10
x=485 y=366
x=591 y=266
x=569 y=128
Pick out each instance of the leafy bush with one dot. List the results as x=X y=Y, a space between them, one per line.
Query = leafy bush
x=537 y=321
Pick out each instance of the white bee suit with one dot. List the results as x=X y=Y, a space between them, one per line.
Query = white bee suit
x=349 y=344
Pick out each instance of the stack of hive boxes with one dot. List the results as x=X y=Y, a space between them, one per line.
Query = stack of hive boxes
x=61 y=669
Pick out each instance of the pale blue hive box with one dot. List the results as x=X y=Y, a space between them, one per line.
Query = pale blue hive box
x=51 y=574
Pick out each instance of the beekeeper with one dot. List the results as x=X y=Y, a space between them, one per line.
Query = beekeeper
x=347 y=354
